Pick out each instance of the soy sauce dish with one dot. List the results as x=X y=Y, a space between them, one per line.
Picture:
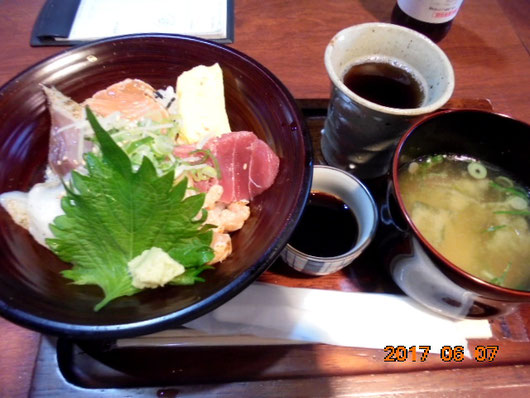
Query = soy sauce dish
x=484 y=206
x=338 y=223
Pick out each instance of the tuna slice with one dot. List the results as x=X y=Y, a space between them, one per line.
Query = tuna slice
x=248 y=165
x=263 y=168
x=67 y=143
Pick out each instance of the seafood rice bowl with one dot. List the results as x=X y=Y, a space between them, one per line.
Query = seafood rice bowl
x=144 y=182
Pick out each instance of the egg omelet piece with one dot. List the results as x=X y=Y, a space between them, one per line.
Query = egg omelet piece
x=200 y=103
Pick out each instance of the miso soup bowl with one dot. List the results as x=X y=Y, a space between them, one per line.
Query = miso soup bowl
x=415 y=265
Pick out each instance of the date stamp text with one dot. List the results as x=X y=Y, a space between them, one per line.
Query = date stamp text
x=420 y=353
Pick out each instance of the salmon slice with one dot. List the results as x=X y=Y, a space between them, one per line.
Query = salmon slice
x=133 y=98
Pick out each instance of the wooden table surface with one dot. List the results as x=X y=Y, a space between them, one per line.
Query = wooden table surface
x=488 y=46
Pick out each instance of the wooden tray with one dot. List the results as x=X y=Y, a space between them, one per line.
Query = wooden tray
x=185 y=363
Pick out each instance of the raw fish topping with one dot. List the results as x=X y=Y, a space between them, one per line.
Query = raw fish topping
x=247 y=165
x=144 y=187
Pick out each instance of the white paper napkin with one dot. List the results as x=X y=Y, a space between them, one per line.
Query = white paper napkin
x=370 y=320
x=106 y=18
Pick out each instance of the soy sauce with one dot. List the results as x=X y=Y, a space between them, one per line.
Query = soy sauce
x=327 y=227
x=385 y=84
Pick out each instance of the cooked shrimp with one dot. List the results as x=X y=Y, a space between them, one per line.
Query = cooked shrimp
x=235 y=215
x=133 y=98
x=212 y=196
x=228 y=218
x=222 y=247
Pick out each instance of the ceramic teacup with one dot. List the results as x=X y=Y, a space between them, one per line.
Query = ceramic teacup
x=360 y=135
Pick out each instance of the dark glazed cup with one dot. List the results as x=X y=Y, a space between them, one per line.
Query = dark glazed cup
x=416 y=267
x=360 y=136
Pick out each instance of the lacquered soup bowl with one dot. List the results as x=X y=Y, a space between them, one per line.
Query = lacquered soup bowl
x=415 y=265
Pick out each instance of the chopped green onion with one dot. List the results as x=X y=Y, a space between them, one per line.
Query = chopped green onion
x=500 y=279
x=133 y=146
x=203 y=174
x=504 y=181
x=514 y=212
x=163 y=145
x=476 y=170
x=509 y=190
x=429 y=162
x=435 y=159
x=494 y=228
x=209 y=171
x=207 y=154
x=517 y=203
x=413 y=167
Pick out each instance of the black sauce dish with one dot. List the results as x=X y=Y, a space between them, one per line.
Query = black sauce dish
x=32 y=291
x=415 y=265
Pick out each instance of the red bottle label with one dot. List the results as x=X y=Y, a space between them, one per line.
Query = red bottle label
x=430 y=11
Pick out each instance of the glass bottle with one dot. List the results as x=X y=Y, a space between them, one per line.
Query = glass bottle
x=433 y=18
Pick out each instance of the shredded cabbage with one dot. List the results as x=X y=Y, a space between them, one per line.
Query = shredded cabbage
x=156 y=141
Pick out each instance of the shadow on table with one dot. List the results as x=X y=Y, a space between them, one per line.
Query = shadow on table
x=380 y=9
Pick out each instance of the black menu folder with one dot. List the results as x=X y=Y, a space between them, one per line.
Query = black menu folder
x=56 y=19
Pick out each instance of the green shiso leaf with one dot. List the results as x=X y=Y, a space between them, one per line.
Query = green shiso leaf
x=113 y=214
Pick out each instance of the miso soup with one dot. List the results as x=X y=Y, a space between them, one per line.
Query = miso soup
x=474 y=214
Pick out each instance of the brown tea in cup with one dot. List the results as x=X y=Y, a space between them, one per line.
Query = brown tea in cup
x=360 y=135
x=385 y=84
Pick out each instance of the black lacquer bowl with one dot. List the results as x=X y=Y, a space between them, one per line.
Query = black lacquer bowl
x=418 y=269
x=32 y=291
